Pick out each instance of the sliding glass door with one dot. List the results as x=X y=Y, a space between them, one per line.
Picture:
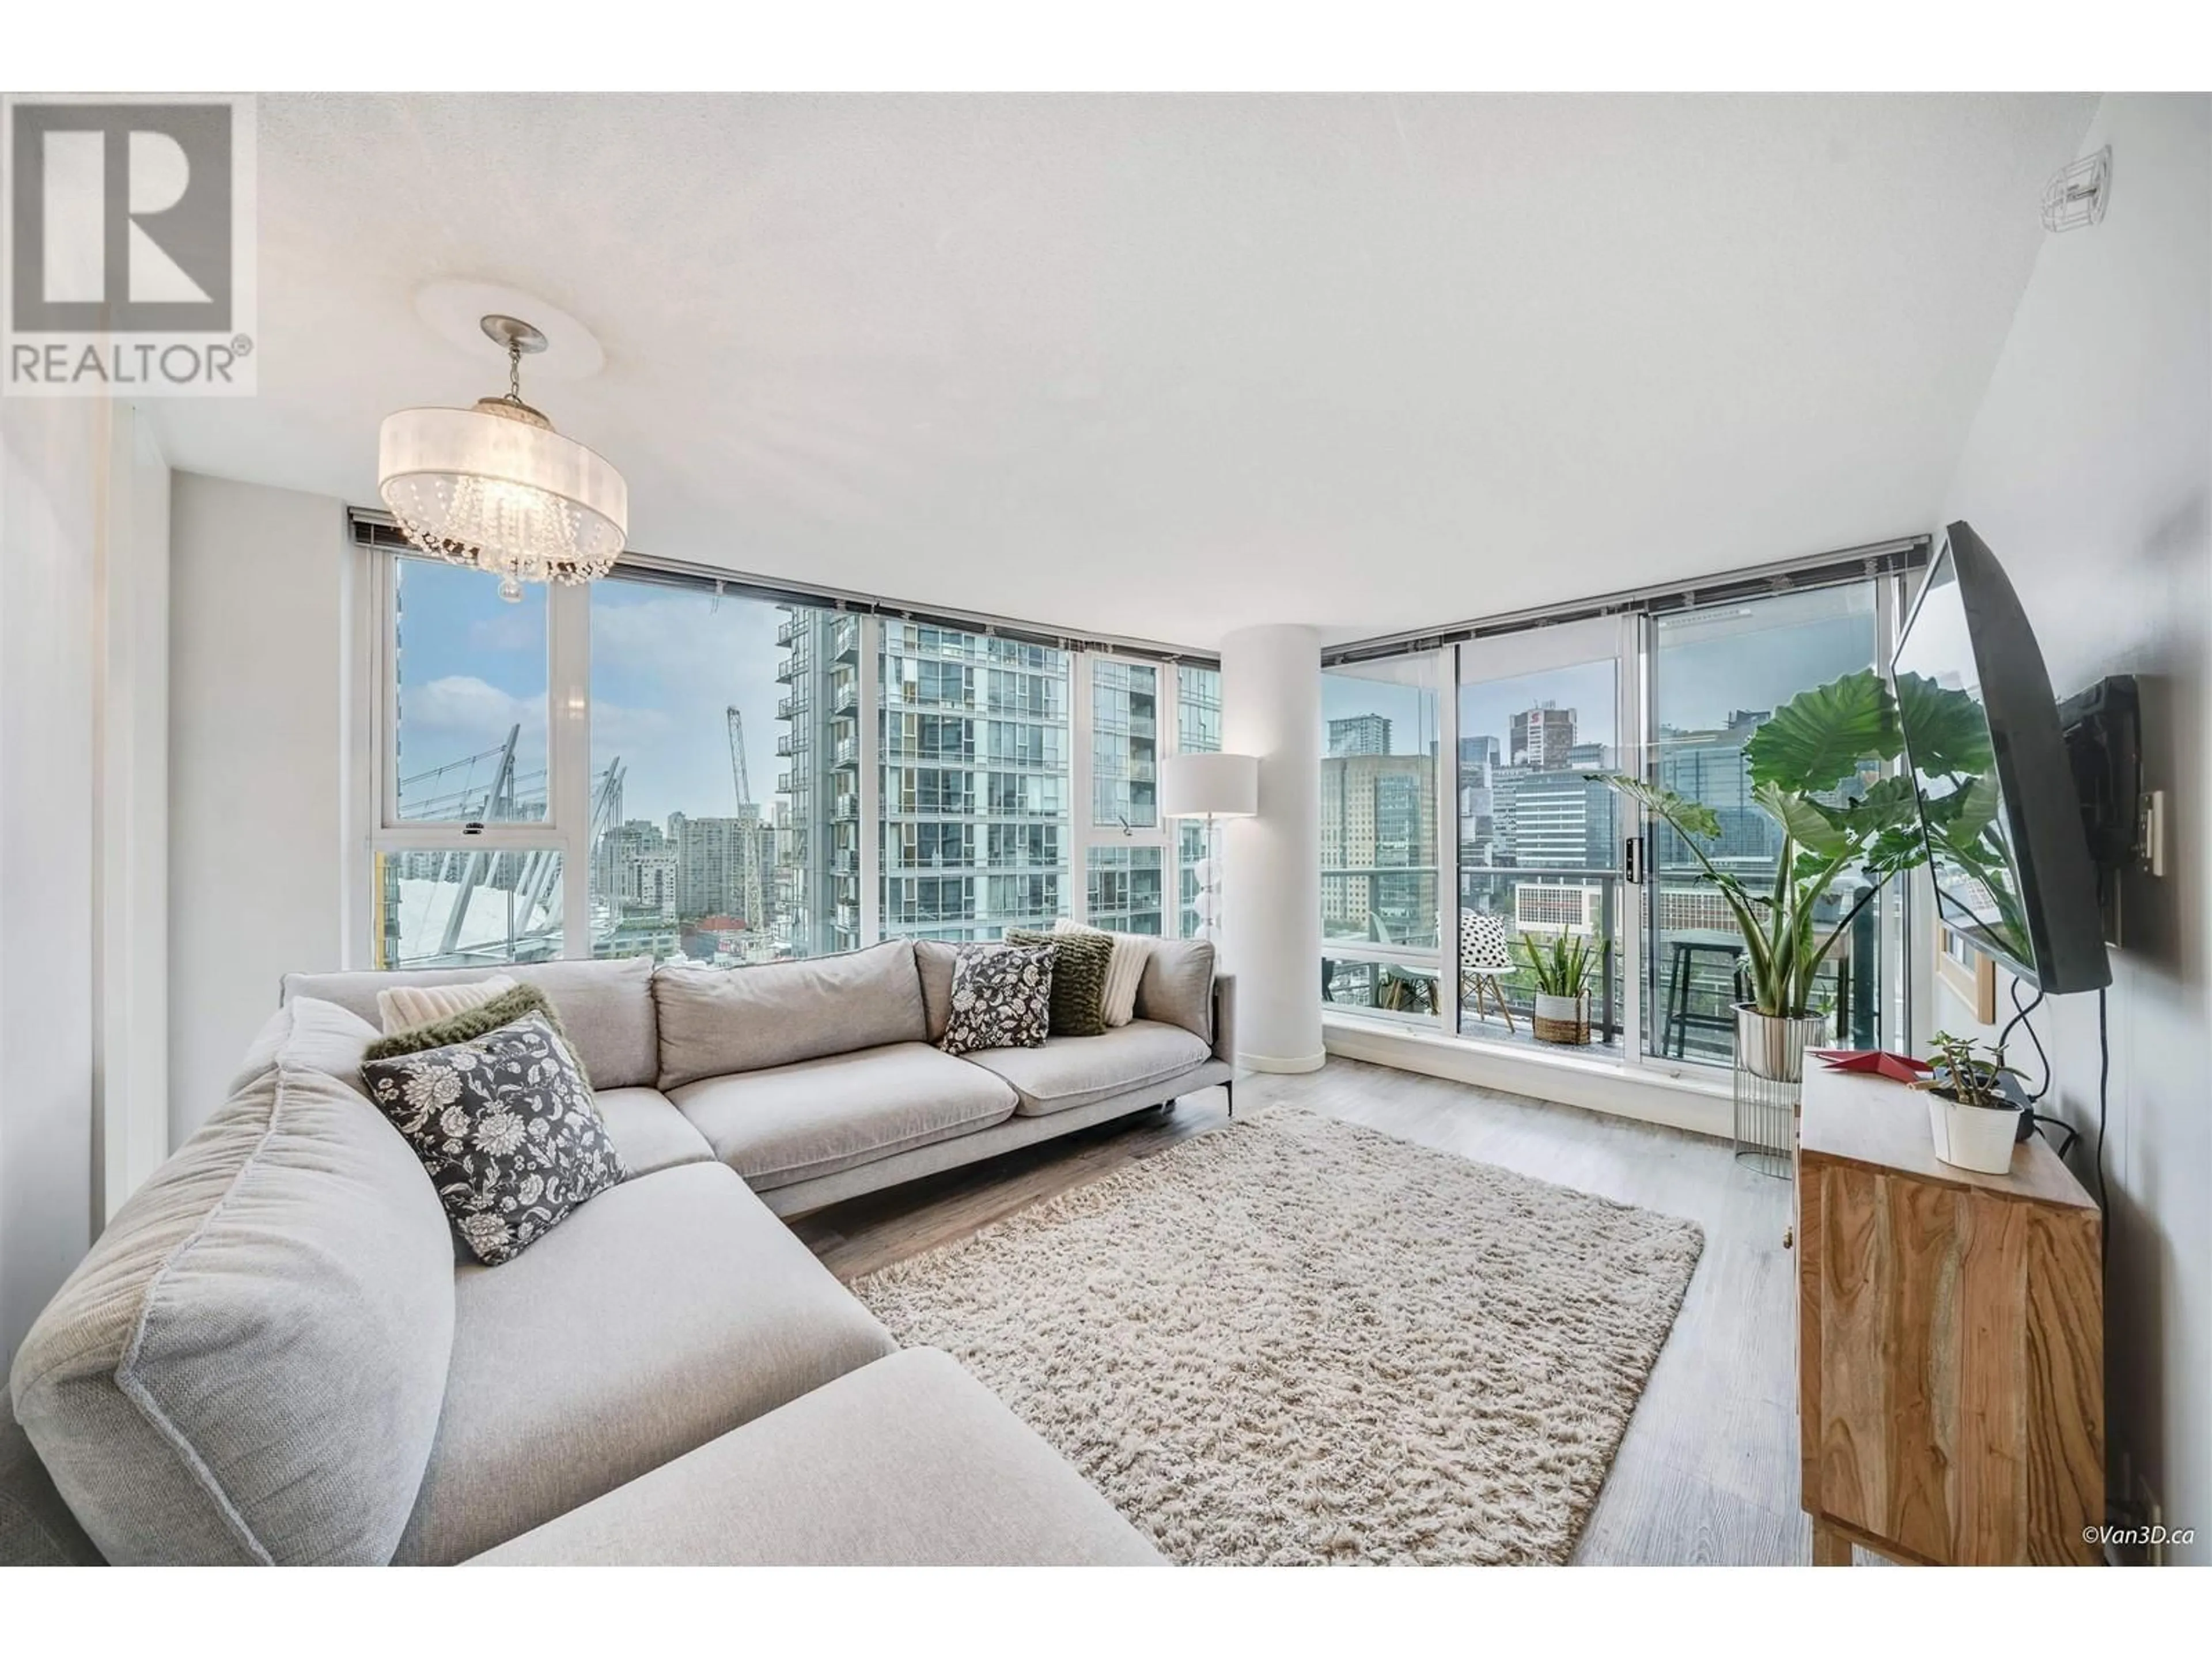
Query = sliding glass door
x=1719 y=672
x=1541 y=717
x=1543 y=856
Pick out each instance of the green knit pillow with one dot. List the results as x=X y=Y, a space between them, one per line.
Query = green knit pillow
x=1078 y=978
x=470 y=1024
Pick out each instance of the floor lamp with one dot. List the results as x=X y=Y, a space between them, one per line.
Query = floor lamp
x=1209 y=786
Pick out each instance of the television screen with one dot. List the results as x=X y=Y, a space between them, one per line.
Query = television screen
x=1998 y=810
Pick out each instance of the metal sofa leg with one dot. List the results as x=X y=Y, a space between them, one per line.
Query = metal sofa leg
x=1229 y=1089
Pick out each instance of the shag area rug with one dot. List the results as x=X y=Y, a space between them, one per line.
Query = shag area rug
x=1298 y=1340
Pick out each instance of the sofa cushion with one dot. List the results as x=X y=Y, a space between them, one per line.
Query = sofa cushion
x=665 y=1313
x=1177 y=987
x=36 y=1527
x=1079 y=961
x=314 y=1035
x=909 y=1461
x=1118 y=1007
x=248 y=1366
x=648 y=1131
x=471 y=1021
x=504 y=1123
x=714 y=1021
x=1001 y=999
x=793 y=1123
x=402 y=1007
x=933 y=960
x=1070 y=1072
x=605 y=1007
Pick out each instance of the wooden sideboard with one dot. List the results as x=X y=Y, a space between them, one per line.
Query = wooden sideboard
x=1950 y=1340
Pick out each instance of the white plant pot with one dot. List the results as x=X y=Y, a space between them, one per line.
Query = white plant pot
x=1772 y=1046
x=1976 y=1138
x=1562 y=1020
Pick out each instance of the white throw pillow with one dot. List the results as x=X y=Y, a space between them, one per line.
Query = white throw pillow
x=403 y=1005
x=1123 y=973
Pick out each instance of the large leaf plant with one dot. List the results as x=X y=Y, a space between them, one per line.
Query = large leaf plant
x=1814 y=768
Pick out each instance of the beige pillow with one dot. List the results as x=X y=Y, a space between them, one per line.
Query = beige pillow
x=403 y=1005
x=1123 y=974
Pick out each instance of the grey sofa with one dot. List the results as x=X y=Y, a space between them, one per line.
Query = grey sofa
x=278 y=1353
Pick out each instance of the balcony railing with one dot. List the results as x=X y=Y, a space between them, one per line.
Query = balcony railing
x=845 y=808
x=790 y=707
x=845 y=640
x=786 y=630
x=783 y=744
x=846 y=752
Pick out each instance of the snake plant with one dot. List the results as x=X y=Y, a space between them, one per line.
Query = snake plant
x=1561 y=967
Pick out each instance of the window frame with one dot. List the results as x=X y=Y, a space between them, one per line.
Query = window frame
x=566 y=825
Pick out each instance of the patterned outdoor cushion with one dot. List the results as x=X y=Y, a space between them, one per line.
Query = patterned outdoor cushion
x=504 y=1123
x=1079 y=961
x=1002 y=998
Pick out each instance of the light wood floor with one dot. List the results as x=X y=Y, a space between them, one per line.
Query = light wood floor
x=1708 y=1472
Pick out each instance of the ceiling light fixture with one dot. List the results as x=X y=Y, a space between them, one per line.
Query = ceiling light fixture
x=497 y=488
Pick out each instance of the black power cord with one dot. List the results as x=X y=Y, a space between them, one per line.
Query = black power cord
x=2020 y=1016
x=2020 y=1019
x=2103 y=1079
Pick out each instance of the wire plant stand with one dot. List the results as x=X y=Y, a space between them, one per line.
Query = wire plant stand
x=1770 y=1081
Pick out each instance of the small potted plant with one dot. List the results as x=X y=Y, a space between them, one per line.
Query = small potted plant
x=1561 y=968
x=1973 y=1122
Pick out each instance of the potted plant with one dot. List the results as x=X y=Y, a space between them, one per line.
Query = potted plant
x=1973 y=1122
x=1561 y=968
x=1810 y=764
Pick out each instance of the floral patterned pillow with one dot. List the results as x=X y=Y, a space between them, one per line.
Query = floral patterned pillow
x=505 y=1124
x=1002 y=998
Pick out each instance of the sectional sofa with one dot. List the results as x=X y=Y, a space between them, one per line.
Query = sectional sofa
x=277 y=1353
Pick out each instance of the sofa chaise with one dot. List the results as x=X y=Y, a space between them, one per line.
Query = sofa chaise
x=279 y=1352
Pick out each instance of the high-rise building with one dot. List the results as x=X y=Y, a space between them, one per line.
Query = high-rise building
x=720 y=866
x=1709 y=766
x=1361 y=735
x=1378 y=847
x=974 y=802
x=819 y=718
x=1540 y=738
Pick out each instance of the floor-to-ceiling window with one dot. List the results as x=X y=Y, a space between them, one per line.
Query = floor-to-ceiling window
x=693 y=819
x=1125 y=873
x=465 y=869
x=1379 y=864
x=1198 y=731
x=1541 y=724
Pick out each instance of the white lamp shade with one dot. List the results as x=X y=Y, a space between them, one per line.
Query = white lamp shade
x=504 y=493
x=1226 y=786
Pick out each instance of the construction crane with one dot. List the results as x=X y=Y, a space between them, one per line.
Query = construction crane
x=738 y=758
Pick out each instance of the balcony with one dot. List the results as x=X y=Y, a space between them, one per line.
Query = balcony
x=787 y=630
x=845 y=640
x=845 y=862
x=790 y=708
x=845 y=808
x=845 y=696
x=845 y=752
x=783 y=745
x=783 y=783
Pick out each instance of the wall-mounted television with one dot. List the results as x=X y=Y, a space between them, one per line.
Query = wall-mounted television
x=1998 y=806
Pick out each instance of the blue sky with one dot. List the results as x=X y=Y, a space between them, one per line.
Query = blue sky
x=665 y=663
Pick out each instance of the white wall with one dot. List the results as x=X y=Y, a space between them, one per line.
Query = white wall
x=50 y=466
x=2089 y=472
x=84 y=544
x=259 y=734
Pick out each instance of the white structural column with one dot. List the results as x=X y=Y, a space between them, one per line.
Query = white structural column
x=1271 y=708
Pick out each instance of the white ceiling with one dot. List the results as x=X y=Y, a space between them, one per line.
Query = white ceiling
x=1164 y=366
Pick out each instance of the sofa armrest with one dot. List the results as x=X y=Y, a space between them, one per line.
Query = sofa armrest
x=1225 y=1018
